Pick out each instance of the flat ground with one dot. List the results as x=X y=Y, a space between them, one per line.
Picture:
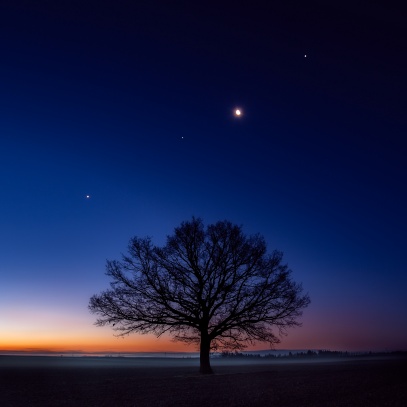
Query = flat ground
x=138 y=382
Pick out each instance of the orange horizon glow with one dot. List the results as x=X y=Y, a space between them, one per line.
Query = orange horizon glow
x=115 y=345
x=149 y=343
x=87 y=338
x=92 y=340
x=51 y=329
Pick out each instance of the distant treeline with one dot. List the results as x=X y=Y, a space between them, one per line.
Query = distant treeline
x=308 y=354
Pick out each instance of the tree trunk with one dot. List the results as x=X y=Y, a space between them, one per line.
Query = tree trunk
x=205 y=347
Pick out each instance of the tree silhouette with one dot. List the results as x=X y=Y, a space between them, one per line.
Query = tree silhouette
x=211 y=286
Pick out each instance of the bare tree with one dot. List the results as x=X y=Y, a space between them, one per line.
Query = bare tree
x=211 y=286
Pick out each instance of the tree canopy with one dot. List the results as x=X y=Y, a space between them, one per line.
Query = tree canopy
x=212 y=286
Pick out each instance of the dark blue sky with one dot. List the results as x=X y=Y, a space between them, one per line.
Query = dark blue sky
x=132 y=103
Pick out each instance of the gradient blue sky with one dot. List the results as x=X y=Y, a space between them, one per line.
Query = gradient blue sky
x=132 y=103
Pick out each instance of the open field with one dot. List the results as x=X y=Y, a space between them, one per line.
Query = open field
x=87 y=381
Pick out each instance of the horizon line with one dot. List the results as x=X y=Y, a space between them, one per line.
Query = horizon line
x=39 y=351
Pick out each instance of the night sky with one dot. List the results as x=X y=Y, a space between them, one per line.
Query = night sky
x=131 y=103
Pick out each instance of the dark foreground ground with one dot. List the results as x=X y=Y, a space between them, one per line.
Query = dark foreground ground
x=77 y=382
